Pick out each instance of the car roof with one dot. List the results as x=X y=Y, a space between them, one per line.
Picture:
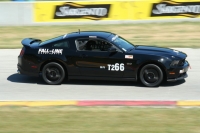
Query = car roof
x=97 y=34
x=92 y=34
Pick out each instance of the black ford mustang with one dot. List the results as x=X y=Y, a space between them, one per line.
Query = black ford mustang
x=102 y=56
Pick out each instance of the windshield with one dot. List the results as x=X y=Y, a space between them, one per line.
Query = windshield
x=122 y=43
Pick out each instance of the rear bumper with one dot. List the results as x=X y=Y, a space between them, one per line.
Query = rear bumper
x=20 y=70
x=24 y=67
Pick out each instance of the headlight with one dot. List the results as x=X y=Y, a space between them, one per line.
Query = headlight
x=174 y=63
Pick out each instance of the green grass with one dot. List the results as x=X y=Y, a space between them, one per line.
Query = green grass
x=185 y=34
x=99 y=120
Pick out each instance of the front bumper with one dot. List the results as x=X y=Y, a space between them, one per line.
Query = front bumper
x=179 y=78
x=180 y=72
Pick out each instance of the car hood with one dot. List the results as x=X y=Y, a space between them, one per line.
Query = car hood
x=150 y=50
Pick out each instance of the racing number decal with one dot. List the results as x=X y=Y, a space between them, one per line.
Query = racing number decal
x=116 y=67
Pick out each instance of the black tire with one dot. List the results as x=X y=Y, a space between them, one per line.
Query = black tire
x=151 y=75
x=53 y=73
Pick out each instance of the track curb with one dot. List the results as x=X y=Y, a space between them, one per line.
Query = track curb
x=99 y=103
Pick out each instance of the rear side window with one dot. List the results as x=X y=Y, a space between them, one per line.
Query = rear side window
x=51 y=40
x=64 y=44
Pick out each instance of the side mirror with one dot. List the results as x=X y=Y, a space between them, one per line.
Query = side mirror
x=112 y=50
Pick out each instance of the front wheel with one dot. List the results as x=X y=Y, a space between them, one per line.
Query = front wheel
x=151 y=75
x=53 y=73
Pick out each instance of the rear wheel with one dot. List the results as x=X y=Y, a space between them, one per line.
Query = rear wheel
x=151 y=75
x=53 y=73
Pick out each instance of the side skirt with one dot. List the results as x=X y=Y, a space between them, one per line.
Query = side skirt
x=102 y=78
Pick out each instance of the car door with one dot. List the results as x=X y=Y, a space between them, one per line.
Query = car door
x=115 y=64
x=127 y=60
x=91 y=62
x=120 y=65
x=97 y=60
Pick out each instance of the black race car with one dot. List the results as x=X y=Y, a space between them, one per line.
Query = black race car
x=99 y=55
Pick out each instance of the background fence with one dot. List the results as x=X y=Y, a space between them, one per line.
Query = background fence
x=98 y=12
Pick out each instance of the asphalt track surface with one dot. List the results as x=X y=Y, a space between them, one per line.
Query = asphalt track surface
x=15 y=87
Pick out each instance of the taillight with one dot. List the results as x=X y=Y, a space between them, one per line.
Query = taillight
x=22 y=52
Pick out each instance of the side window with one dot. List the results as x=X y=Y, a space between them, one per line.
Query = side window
x=92 y=45
x=81 y=44
x=63 y=44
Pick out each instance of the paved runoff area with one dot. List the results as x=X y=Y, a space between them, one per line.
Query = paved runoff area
x=30 y=91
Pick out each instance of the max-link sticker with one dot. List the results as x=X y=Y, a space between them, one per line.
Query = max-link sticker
x=51 y=52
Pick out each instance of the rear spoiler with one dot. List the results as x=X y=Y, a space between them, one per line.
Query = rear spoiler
x=29 y=41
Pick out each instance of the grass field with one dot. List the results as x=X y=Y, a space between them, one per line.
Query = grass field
x=185 y=34
x=99 y=120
